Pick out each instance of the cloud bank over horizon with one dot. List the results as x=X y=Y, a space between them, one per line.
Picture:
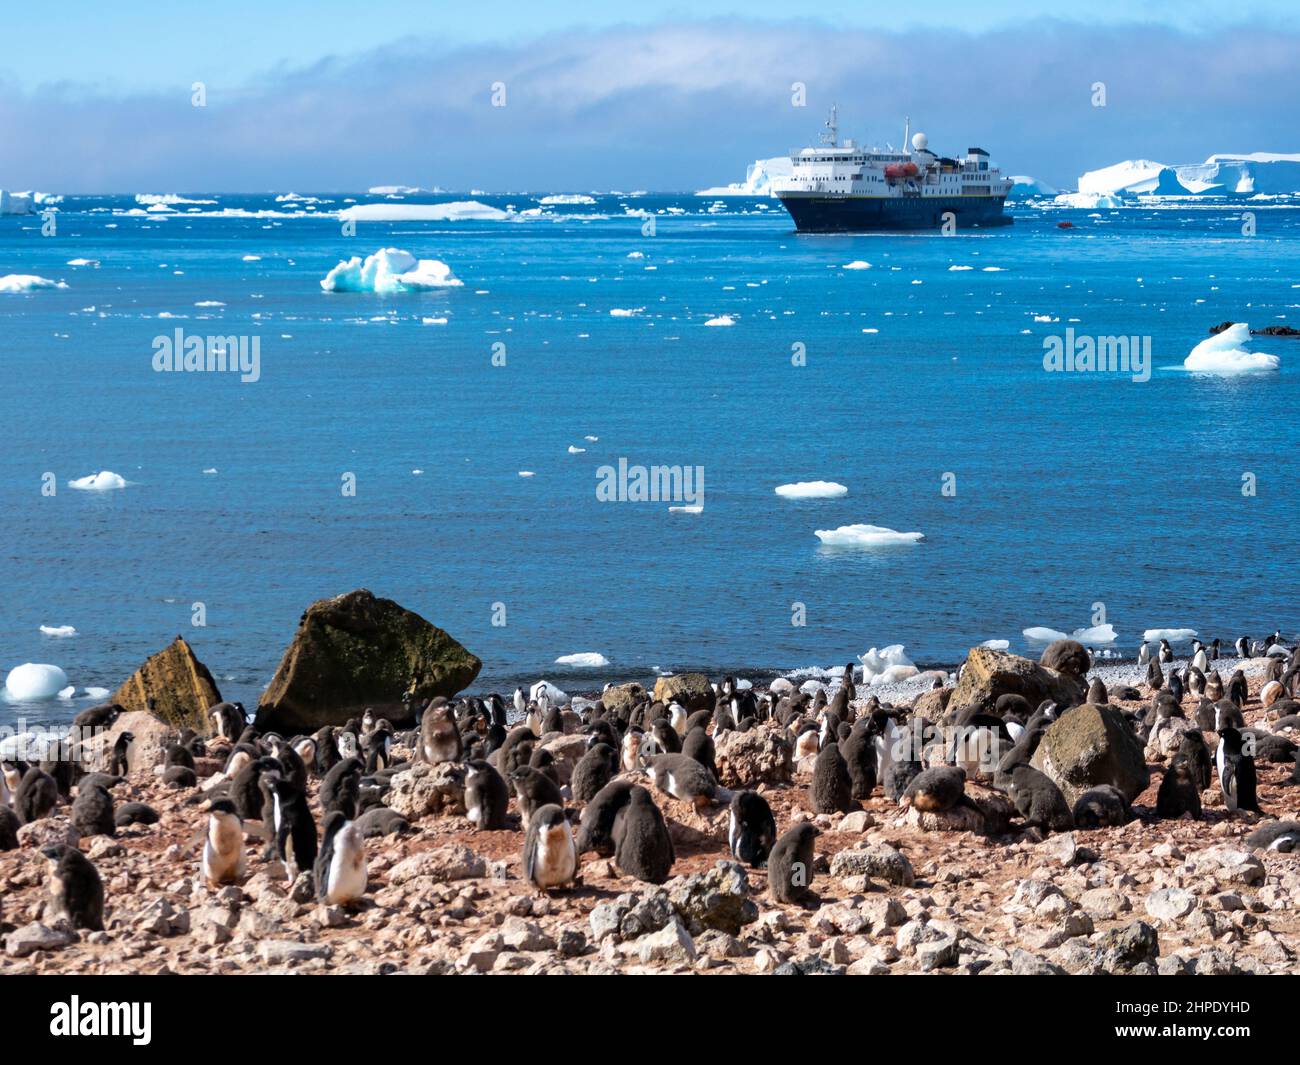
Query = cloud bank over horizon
x=672 y=107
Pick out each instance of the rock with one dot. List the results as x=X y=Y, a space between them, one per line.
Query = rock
x=518 y=934
x=174 y=687
x=877 y=861
x=152 y=735
x=161 y=918
x=989 y=674
x=936 y=954
x=567 y=752
x=1170 y=904
x=605 y=920
x=1103 y=903
x=35 y=936
x=1167 y=735
x=48 y=831
x=671 y=943
x=443 y=864
x=692 y=690
x=857 y=822
x=933 y=704
x=1066 y=656
x=1122 y=949
x=717 y=899
x=428 y=790
x=648 y=914
x=1091 y=745
x=356 y=651
x=810 y=966
x=290 y=952
x=989 y=814
x=1228 y=865
x=621 y=696
x=759 y=756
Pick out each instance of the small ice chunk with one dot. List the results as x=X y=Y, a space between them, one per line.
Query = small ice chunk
x=388 y=271
x=866 y=536
x=68 y=692
x=1042 y=634
x=27 y=283
x=696 y=508
x=996 y=645
x=577 y=450
x=1095 y=634
x=625 y=312
x=527 y=473
x=722 y=319
x=58 y=630
x=104 y=481
x=583 y=660
x=857 y=264
x=95 y=693
x=33 y=680
x=811 y=490
x=1172 y=635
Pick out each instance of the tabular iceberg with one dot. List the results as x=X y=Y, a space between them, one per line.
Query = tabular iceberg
x=758 y=179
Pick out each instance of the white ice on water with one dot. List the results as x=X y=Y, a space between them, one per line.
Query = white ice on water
x=58 y=630
x=811 y=490
x=387 y=272
x=888 y=665
x=1172 y=635
x=583 y=660
x=457 y=211
x=1225 y=353
x=35 y=680
x=104 y=481
x=14 y=283
x=866 y=536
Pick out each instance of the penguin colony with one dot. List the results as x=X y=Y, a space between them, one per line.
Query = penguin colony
x=311 y=803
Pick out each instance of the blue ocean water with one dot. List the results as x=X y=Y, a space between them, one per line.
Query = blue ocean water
x=1071 y=488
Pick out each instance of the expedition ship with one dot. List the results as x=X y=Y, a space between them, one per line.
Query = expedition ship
x=837 y=188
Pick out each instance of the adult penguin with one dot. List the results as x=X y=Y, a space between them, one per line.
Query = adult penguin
x=751 y=828
x=1236 y=773
x=341 y=788
x=295 y=830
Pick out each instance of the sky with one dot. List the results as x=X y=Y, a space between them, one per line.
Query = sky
x=666 y=96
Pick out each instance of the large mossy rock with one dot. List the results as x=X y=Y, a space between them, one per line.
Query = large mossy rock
x=990 y=674
x=357 y=651
x=692 y=690
x=173 y=686
x=1092 y=745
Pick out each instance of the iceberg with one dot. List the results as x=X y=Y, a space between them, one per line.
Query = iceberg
x=167 y=199
x=1089 y=201
x=14 y=283
x=1134 y=177
x=857 y=264
x=16 y=203
x=1096 y=634
x=58 y=630
x=33 y=680
x=888 y=665
x=1225 y=353
x=1042 y=634
x=1258 y=173
x=1172 y=635
x=566 y=198
x=758 y=178
x=105 y=481
x=866 y=536
x=722 y=319
x=583 y=660
x=387 y=272
x=811 y=490
x=458 y=210
x=1024 y=187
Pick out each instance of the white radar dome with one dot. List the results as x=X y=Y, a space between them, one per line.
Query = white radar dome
x=919 y=141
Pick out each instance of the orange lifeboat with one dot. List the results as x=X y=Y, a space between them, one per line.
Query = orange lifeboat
x=898 y=171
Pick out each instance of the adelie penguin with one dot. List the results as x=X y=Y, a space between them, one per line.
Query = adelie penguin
x=36 y=796
x=550 y=857
x=596 y=828
x=751 y=828
x=76 y=892
x=1192 y=749
x=118 y=762
x=92 y=812
x=9 y=826
x=1102 y=807
x=1236 y=772
x=341 y=788
x=440 y=735
x=790 y=865
x=936 y=790
x=1039 y=800
x=486 y=797
x=642 y=845
x=685 y=779
x=533 y=790
x=1179 y=792
x=860 y=759
x=223 y=847
x=340 y=870
x=295 y=830
x=595 y=769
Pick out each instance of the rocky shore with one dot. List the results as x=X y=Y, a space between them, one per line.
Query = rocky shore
x=894 y=889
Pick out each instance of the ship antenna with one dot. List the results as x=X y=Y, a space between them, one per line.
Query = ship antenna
x=832 y=138
x=907 y=133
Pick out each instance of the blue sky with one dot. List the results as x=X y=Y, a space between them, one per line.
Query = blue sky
x=327 y=96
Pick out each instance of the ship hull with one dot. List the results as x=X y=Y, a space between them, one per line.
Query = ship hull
x=864 y=214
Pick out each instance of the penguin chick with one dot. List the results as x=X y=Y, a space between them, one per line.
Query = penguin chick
x=790 y=865
x=596 y=826
x=936 y=790
x=642 y=845
x=135 y=813
x=751 y=830
x=340 y=868
x=9 y=826
x=684 y=778
x=533 y=790
x=76 y=892
x=1180 y=792
x=36 y=796
x=550 y=857
x=860 y=759
x=92 y=812
x=831 y=790
x=1039 y=800
x=1102 y=807
x=223 y=849
x=486 y=797
x=595 y=769
x=440 y=739
x=341 y=788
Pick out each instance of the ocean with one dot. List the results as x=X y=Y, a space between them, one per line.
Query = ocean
x=917 y=382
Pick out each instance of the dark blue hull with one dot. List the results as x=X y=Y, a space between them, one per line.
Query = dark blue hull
x=841 y=214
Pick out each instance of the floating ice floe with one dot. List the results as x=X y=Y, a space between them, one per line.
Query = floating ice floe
x=961 y=268
x=527 y=473
x=387 y=272
x=457 y=211
x=166 y=199
x=566 y=198
x=1172 y=635
x=577 y=450
x=1089 y=201
x=210 y=470
x=1225 y=353
x=722 y=319
x=866 y=536
x=695 y=508
x=13 y=283
x=95 y=693
x=1096 y=634
x=625 y=312
x=68 y=692
x=888 y=665
x=996 y=645
x=857 y=264
x=83 y=262
x=59 y=631
x=1042 y=634
x=104 y=481
x=252 y=258
x=811 y=490
x=583 y=660
x=33 y=680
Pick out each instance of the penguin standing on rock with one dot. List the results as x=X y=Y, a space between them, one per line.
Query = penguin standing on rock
x=685 y=779
x=642 y=846
x=790 y=866
x=1236 y=772
x=751 y=831
x=340 y=870
x=223 y=849
x=117 y=763
x=936 y=790
x=76 y=891
x=486 y=797
x=550 y=857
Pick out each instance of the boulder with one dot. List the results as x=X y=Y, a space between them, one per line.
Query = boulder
x=146 y=750
x=443 y=864
x=567 y=752
x=1066 y=656
x=932 y=705
x=716 y=899
x=173 y=686
x=989 y=674
x=357 y=651
x=692 y=690
x=427 y=790
x=621 y=696
x=877 y=861
x=1092 y=745
x=759 y=756
x=988 y=813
